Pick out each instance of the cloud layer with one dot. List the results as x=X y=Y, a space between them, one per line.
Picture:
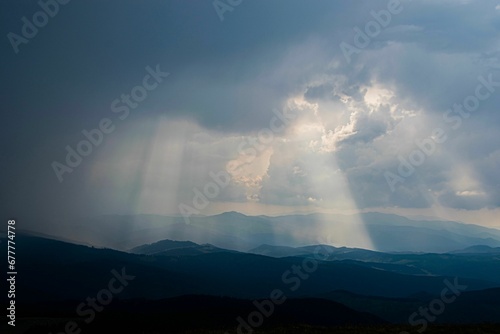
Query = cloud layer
x=350 y=121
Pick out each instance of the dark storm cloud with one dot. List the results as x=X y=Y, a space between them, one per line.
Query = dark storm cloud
x=227 y=77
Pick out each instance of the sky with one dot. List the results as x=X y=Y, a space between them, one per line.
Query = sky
x=262 y=107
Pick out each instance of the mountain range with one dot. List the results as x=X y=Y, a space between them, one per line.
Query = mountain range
x=232 y=230
x=56 y=271
x=195 y=275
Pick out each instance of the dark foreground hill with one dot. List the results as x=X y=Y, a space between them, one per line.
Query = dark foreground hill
x=209 y=314
x=54 y=270
x=200 y=313
x=164 y=292
x=470 y=307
